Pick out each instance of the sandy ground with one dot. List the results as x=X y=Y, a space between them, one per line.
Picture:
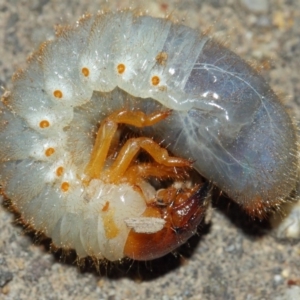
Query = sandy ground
x=233 y=258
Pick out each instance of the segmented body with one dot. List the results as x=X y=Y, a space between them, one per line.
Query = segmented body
x=224 y=117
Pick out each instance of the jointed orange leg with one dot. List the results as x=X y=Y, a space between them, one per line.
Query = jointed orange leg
x=146 y=170
x=131 y=148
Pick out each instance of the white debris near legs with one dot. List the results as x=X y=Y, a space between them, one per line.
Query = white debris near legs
x=145 y=225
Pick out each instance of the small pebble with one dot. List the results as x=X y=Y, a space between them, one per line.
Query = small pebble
x=256 y=6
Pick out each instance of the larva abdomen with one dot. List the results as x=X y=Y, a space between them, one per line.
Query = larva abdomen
x=224 y=118
x=237 y=131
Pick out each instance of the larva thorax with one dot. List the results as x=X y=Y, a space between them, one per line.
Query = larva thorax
x=60 y=124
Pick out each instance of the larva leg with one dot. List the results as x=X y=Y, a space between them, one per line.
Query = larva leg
x=147 y=170
x=130 y=150
x=182 y=215
x=101 y=147
x=105 y=137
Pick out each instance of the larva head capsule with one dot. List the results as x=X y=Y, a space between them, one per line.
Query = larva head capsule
x=182 y=216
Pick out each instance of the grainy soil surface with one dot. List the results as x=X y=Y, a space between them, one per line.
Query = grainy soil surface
x=233 y=258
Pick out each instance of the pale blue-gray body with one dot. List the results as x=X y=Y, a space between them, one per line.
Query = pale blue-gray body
x=237 y=133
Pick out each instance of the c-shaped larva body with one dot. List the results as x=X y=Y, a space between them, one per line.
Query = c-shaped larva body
x=224 y=117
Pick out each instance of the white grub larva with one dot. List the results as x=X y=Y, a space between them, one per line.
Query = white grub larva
x=123 y=68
